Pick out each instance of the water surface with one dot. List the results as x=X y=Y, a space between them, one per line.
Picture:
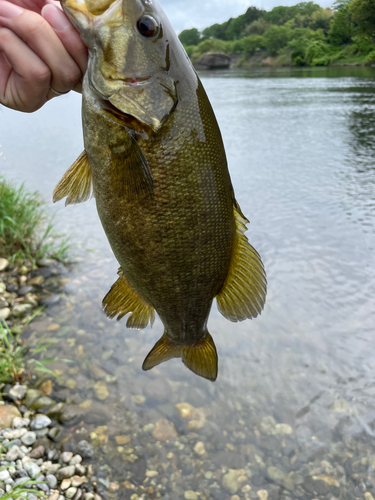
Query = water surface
x=300 y=147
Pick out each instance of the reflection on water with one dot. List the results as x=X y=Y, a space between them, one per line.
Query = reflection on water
x=292 y=414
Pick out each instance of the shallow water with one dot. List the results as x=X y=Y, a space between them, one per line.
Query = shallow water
x=300 y=146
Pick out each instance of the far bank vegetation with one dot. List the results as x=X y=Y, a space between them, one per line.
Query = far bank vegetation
x=305 y=34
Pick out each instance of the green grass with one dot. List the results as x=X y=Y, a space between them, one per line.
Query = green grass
x=13 y=368
x=26 y=231
x=20 y=490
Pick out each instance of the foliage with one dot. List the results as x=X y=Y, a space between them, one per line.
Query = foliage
x=301 y=34
x=341 y=28
x=363 y=15
x=257 y=27
x=252 y=44
x=26 y=232
x=276 y=37
x=190 y=37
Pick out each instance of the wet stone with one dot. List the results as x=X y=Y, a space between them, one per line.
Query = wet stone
x=24 y=290
x=84 y=449
x=190 y=495
x=31 y=396
x=50 y=300
x=42 y=402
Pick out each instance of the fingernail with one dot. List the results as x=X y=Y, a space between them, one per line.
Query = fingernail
x=9 y=10
x=56 y=18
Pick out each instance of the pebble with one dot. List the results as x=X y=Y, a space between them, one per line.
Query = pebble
x=190 y=495
x=77 y=459
x=262 y=494
x=121 y=440
x=164 y=430
x=101 y=390
x=50 y=300
x=230 y=481
x=66 y=456
x=16 y=434
x=276 y=475
x=78 y=480
x=31 y=396
x=4 y=474
x=368 y=496
x=37 y=452
x=66 y=483
x=21 y=309
x=39 y=422
x=24 y=290
x=70 y=492
x=84 y=449
x=199 y=448
x=65 y=472
x=29 y=438
x=32 y=469
x=80 y=469
x=19 y=422
x=13 y=454
x=7 y=414
x=4 y=313
x=283 y=429
x=193 y=418
x=51 y=480
x=4 y=263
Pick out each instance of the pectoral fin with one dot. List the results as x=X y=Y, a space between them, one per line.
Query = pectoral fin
x=122 y=299
x=130 y=169
x=244 y=292
x=76 y=184
x=200 y=358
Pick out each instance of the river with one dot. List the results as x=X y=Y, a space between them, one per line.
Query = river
x=293 y=410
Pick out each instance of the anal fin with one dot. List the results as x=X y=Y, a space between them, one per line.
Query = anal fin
x=76 y=184
x=200 y=358
x=123 y=299
x=244 y=292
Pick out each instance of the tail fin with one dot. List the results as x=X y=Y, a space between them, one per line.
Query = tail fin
x=200 y=358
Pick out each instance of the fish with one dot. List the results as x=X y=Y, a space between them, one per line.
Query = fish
x=155 y=162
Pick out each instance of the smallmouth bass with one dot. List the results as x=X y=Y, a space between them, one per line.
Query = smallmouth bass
x=155 y=161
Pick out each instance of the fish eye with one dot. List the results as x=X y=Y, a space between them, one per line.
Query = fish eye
x=147 y=26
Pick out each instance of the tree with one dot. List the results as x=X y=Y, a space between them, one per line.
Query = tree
x=276 y=37
x=363 y=15
x=341 y=28
x=190 y=37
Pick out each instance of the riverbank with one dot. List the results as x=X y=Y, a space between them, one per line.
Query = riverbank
x=221 y=60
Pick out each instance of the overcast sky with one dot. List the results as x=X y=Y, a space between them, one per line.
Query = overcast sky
x=185 y=14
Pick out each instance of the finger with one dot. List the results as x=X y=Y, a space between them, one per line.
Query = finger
x=24 y=77
x=68 y=35
x=33 y=5
x=41 y=38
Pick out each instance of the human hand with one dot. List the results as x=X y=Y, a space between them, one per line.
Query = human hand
x=39 y=51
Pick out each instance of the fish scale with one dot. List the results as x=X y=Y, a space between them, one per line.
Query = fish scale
x=155 y=161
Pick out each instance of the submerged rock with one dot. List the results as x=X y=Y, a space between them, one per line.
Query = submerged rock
x=193 y=418
x=164 y=430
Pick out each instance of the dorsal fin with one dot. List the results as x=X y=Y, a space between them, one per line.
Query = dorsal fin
x=244 y=292
x=200 y=358
x=76 y=184
x=122 y=299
